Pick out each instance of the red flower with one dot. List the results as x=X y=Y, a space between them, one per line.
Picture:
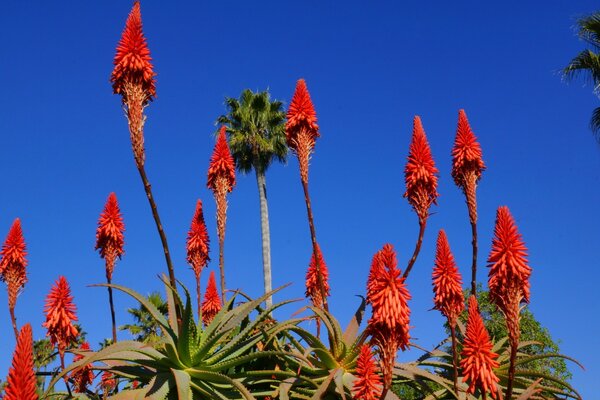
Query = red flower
x=367 y=385
x=388 y=294
x=313 y=288
x=198 y=242
x=13 y=262
x=60 y=315
x=221 y=165
x=212 y=301
x=420 y=173
x=109 y=235
x=509 y=267
x=478 y=360
x=133 y=62
x=108 y=382
x=22 y=383
x=447 y=282
x=83 y=376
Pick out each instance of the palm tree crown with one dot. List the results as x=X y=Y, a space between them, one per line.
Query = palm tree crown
x=255 y=126
x=588 y=61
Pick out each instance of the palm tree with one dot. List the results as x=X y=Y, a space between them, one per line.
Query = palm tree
x=255 y=126
x=145 y=329
x=588 y=61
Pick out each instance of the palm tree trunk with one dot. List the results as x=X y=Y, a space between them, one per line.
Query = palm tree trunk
x=261 y=181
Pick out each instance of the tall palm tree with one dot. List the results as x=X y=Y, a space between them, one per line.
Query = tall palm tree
x=588 y=61
x=255 y=126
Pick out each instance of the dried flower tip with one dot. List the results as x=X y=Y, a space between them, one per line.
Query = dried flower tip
x=212 y=301
x=109 y=235
x=447 y=282
x=198 y=242
x=420 y=173
x=367 y=385
x=60 y=316
x=132 y=62
x=22 y=383
x=313 y=288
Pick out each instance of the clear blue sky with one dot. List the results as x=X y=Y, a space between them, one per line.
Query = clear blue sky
x=370 y=67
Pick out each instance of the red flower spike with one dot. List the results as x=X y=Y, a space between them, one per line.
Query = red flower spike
x=221 y=165
x=60 y=315
x=467 y=162
x=367 y=385
x=109 y=235
x=108 y=383
x=198 y=242
x=420 y=173
x=478 y=360
x=212 y=301
x=83 y=376
x=313 y=289
x=301 y=127
x=133 y=62
x=21 y=383
x=13 y=263
x=447 y=282
x=509 y=267
x=388 y=294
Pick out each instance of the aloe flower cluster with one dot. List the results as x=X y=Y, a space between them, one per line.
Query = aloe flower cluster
x=313 y=290
x=109 y=235
x=198 y=247
x=83 y=376
x=212 y=301
x=367 y=385
x=22 y=383
x=60 y=316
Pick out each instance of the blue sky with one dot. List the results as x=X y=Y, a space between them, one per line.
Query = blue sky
x=370 y=67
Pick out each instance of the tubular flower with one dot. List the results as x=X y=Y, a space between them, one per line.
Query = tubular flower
x=301 y=128
x=367 y=385
x=22 y=383
x=478 y=360
x=212 y=301
x=467 y=163
x=133 y=79
x=83 y=376
x=109 y=235
x=447 y=282
x=108 y=382
x=60 y=315
x=13 y=263
x=198 y=242
x=313 y=288
x=132 y=62
x=221 y=178
x=388 y=294
x=420 y=173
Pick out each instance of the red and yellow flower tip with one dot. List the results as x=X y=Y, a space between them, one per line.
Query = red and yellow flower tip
x=22 y=383
x=13 y=263
x=447 y=282
x=221 y=171
x=420 y=173
x=109 y=235
x=60 y=316
x=466 y=153
x=478 y=359
x=301 y=116
x=83 y=376
x=388 y=295
x=367 y=385
x=132 y=61
x=212 y=301
x=509 y=268
x=197 y=245
x=313 y=287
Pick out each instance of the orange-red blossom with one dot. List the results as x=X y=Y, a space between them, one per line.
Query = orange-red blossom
x=212 y=301
x=367 y=385
x=60 y=316
x=21 y=383
x=109 y=235
x=313 y=288
x=83 y=376
x=13 y=263
x=447 y=282
x=197 y=245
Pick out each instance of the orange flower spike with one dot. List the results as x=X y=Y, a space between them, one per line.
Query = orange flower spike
x=60 y=315
x=367 y=385
x=109 y=235
x=508 y=260
x=83 y=376
x=108 y=382
x=420 y=173
x=478 y=360
x=198 y=241
x=389 y=295
x=13 y=263
x=212 y=301
x=301 y=127
x=133 y=62
x=21 y=382
x=221 y=165
x=447 y=282
x=467 y=162
x=313 y=290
